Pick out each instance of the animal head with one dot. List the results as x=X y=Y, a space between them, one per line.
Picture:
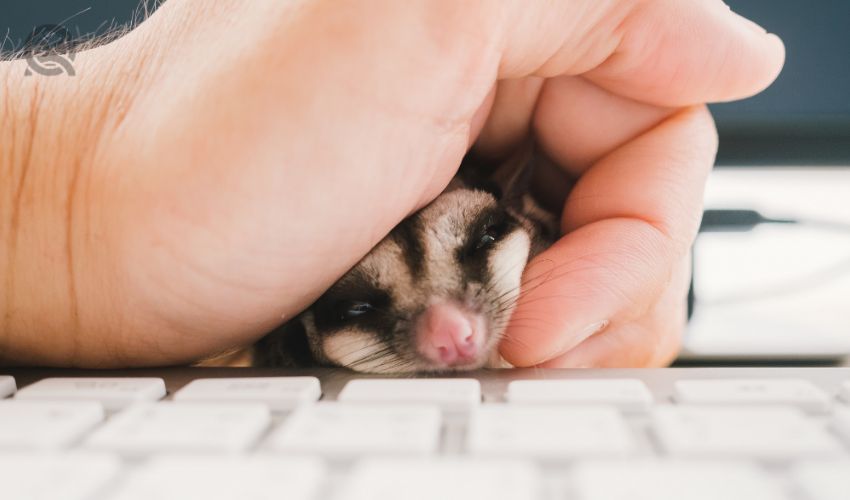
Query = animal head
x=437 y=293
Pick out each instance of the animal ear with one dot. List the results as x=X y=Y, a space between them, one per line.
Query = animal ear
x=508 y=180
x=287 y=346
x=513 y=176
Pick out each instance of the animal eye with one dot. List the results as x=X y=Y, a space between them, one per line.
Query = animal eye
x=355 y=310
x=486 y=241
x=492 y=234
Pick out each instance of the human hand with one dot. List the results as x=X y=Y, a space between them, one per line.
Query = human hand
x=632 y=134
x=231 y=161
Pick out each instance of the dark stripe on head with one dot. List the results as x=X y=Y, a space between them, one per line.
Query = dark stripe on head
x=408 y=236
x=372 y=307
x=495 y=223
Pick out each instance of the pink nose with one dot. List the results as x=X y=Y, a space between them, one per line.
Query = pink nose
x=449 y=335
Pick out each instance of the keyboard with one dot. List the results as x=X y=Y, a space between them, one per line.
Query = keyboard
x=251 y=434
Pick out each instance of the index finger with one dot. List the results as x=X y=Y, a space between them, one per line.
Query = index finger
x=628 y=222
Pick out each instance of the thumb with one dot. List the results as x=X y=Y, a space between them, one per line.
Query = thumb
x=664 y=52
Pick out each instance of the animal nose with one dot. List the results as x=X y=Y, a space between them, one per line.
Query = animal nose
x=449 y=335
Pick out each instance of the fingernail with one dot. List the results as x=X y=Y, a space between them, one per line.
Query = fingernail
x=583 y=334
x=592 y=330
x=751 y=25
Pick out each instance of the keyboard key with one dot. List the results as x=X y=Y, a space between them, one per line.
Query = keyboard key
x=548 y=432
x=182 y=427
x=279 y=393
x=347 y=430
x=36 y=476
x=768 y=432
x=449 y=394
x=223 y=478
x=671 y=480
x=112 y=393
x=799 y=393
x=823 y=480
x=7 y=386
x=629 y=395
x=446 y=479
x=46 y=424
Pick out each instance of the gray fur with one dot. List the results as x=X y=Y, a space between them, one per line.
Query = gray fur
x=425 y=259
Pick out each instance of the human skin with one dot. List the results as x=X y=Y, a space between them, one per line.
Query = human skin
x=208 y=175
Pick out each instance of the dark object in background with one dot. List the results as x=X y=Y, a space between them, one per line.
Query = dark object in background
x=803 y=119
x=81 y=19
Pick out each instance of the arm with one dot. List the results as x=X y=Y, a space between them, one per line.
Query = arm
x=210 y=173
x=178 y=196
x=56 y=270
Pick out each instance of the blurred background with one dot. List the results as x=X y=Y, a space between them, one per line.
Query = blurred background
x=775 y=292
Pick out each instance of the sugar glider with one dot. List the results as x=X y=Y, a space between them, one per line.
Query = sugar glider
x=437 y=293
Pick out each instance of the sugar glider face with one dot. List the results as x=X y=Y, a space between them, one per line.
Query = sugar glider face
x=435 y=295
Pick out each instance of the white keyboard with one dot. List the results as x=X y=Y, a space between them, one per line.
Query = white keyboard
x=209 y=434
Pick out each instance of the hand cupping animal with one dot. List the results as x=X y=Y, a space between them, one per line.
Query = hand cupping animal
x=437 y=293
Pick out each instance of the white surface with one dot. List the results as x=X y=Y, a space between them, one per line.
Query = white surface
x=549 y=432
x=279 y=393
x=842 y=423
x=7 y=386
x=342 y=430
x=673 y=480
x=567 y=445
x=630 y=395
x=452 y=479
x=800 y=393
x=768 y=433
x=46 y=424
x=448 y=394
x=112 y=393
x=845 y=391
x=182 y=427
x=76 y=476
x=224 y=478
x=823 y=480
x=779 y=291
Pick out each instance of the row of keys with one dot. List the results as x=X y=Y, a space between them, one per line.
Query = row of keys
x=287 y=393
x=633 y=395
x=82 y=476
x=112 y=393
x=279 y=393
x=346 y=430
